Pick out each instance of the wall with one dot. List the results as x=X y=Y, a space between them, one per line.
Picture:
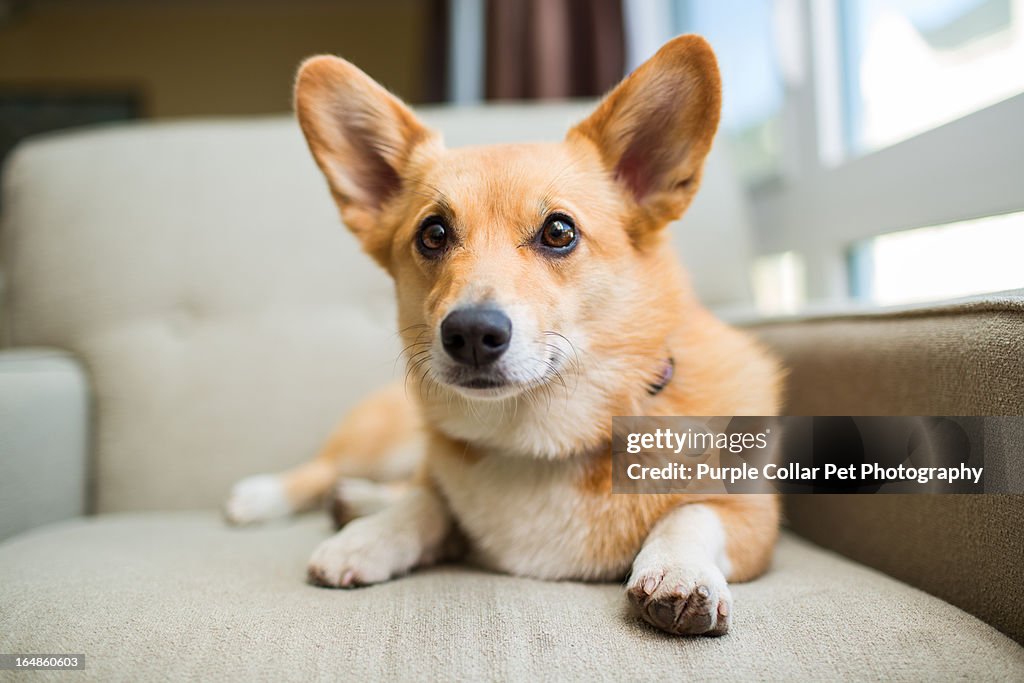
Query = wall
x=213 y=57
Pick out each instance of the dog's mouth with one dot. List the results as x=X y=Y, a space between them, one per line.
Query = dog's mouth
x=482 y=383
x=494 y=383
x=485 y=386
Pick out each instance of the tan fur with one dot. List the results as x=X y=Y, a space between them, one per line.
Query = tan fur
x=526 y=474
x=380 y=426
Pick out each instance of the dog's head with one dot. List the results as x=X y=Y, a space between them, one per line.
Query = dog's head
x=523 y=268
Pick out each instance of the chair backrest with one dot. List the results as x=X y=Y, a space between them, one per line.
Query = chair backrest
x=225 y=317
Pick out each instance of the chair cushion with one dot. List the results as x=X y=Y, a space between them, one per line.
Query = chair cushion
x=182 y=595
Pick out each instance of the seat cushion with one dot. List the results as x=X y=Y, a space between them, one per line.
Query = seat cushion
x=185 y=596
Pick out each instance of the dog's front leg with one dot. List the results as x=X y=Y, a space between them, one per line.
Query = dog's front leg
x=678 y=582
x=410 y=533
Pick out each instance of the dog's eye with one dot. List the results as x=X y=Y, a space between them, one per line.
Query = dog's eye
x=432 y=237
x=558 y=233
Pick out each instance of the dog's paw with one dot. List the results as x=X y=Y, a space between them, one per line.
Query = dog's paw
x=358 y=555
x=257 y=499
x=682 y=600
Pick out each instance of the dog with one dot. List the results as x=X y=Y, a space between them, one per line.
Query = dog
x=538 y=296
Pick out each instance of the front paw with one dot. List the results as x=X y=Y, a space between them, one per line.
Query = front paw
x=358 y=555
x=682 y=600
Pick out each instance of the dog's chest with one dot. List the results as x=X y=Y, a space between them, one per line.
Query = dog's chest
x=524 y=516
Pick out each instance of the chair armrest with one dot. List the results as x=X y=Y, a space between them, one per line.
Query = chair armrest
x=961 y=358
x=44 y=414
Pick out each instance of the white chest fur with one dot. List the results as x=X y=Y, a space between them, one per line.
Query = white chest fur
x=523 y=516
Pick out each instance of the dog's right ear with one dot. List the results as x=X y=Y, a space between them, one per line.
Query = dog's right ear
x=362 y=138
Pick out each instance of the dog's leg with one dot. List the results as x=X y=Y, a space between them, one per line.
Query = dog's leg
x=409 y=533
x=353 y=498
x=380 y=439
x=263 y=497
x=679 y=578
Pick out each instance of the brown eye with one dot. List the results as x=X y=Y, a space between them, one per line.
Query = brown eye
x=433 y=237
x=558 y=234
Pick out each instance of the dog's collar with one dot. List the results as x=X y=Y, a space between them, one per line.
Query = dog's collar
x=668 y=370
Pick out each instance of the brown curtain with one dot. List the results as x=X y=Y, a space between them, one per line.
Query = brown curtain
x=434 y=66
x=553 y=49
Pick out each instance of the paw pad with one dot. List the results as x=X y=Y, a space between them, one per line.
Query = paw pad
x=682 y=607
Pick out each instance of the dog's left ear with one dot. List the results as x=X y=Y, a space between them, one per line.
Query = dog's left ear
x=655 y=128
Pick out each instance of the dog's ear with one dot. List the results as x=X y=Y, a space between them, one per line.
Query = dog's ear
x=655 y=128
x=362 y=138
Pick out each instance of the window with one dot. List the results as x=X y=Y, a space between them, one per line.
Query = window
x=743 y=35
x=941 y=262
x=779 y=283
x=912 y=65
x=905 y=135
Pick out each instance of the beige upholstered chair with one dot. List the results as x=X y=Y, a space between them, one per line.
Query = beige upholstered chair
x=183 y=308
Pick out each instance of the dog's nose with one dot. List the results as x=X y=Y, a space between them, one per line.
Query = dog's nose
x=476 y=336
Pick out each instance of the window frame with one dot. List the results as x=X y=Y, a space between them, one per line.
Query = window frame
x=820 y=204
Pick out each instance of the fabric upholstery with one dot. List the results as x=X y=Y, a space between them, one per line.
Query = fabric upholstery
x=963 y=358
x=964 y=549
x=43 y=438
x=226 y=318
x=180 y=596
x=202 y=276
x=226 y=321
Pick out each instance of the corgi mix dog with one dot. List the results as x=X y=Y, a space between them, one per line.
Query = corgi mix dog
x=538 y=296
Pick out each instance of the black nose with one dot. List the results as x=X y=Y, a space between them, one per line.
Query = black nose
x=476 y=336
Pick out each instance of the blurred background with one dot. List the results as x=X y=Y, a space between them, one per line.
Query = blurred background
x=870 y=136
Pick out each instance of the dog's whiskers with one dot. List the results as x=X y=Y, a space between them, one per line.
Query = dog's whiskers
x=574 y=364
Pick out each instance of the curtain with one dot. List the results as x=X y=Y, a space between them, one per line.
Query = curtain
x=553 y=49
